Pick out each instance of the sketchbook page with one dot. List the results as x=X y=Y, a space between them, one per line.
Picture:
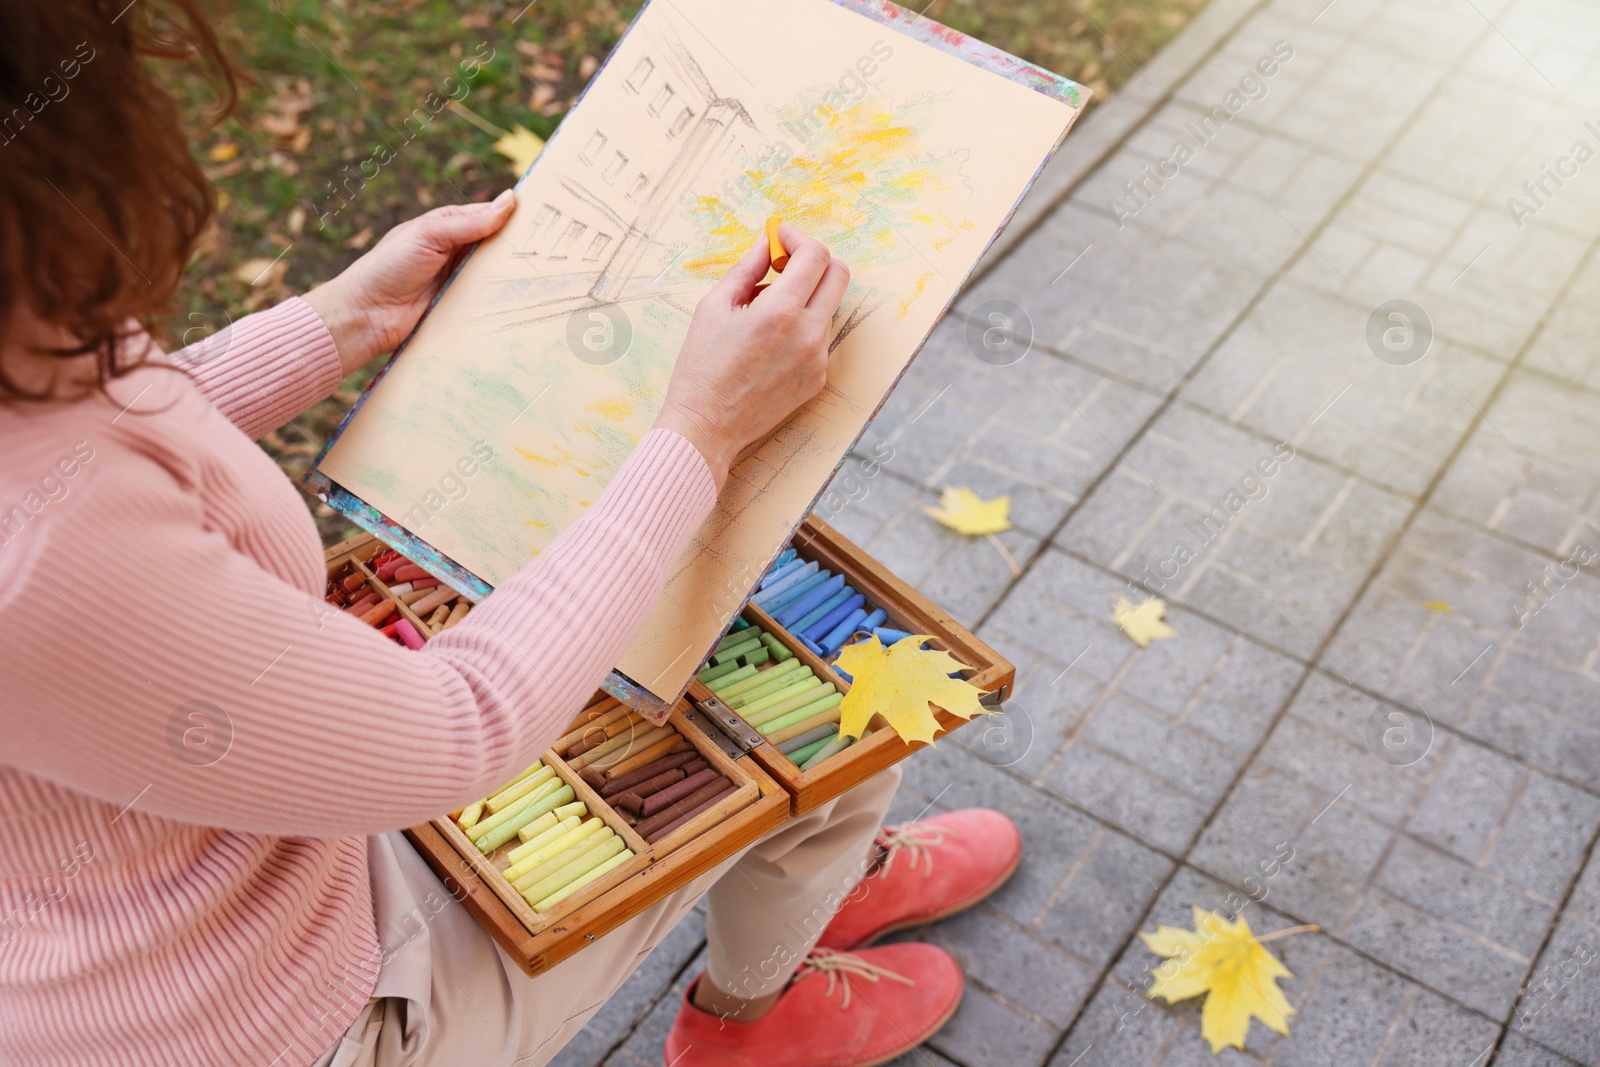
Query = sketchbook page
x=548 y=357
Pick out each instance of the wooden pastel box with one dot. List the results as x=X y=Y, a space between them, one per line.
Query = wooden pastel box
x=768 y=788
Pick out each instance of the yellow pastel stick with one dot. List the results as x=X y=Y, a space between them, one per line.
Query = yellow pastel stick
x=575 y=808
x=555 y=847
x=507 y=830
x=519 y=789
x=540 y=825
x=470 y=815
x=573 y=869
x=506 y=814
x=547 y=877
x=541 y=838
x=593 y=876
x=779 y=254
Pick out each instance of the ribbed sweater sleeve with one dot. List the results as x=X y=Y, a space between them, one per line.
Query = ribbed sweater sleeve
x=192 y=678
x=266 y=368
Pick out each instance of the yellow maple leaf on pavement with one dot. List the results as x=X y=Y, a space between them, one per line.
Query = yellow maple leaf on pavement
x=966 y=512
x=1142 y=623
x=1224 y=962
x=899 y=682
x=522 y=147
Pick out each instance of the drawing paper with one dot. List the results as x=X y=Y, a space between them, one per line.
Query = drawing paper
x=551 y=350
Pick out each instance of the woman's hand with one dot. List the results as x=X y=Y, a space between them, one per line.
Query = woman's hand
x=375 y=302
x=752 y=357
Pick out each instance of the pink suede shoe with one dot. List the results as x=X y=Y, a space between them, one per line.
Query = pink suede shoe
x=934 y=868
x=841 y=1010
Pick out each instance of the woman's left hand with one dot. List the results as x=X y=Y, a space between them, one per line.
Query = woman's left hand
x=375 y=302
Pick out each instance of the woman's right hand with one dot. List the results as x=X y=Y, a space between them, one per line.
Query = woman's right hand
x=753 y=357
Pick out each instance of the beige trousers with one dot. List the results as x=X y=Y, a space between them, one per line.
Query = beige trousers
x=447 y=994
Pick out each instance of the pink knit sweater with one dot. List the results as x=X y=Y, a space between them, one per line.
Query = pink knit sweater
x=192 y=747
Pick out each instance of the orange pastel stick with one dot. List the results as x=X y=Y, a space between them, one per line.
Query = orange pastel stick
x=779 y=254
x=378 y=612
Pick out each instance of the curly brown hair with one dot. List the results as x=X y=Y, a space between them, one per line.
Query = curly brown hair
x=101 y=203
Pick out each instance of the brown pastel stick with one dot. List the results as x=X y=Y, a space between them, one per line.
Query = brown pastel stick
x=651 y=752
x=623 y=745
x=628 y=802
x=644 y=774
x=412 y=596
x=593 y=777
x=436 y=620
x=694 y=766
x=359 y=607
x=458 y=613
x=595 y=735
x=654 y=785
x=673 y=794
x=820 y=719
x=380 y=611
x=442 y=595
x=674 y=815
x=611 y=714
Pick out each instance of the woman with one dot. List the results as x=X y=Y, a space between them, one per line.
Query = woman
x=240 y=896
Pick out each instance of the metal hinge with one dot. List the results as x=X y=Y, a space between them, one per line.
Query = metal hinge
x=727 y=731
x=995 y=697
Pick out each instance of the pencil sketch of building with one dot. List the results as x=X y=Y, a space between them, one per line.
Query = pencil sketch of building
x=593 y=238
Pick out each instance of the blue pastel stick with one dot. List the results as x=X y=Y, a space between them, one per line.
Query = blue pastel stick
x=777 y=574
x=806 y=623
x=873 y=621
x=784 y=558
x=839 y=633
x=800 y=580
x=798 y=607
x=842 y=674
x=889 y=637
x=813 y=646
x=837 y=614
x=738 y=624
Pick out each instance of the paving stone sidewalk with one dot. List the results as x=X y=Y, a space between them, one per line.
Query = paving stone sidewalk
x=1386 y=653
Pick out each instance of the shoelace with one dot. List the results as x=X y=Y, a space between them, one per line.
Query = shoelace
x=840 y=966
x=916 y=838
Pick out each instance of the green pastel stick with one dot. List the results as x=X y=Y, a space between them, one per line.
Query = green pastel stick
x=779 y=650
x=505 y=832
x=733 y=652
x=810 y=750
x=800 y=700
x=760 y=693
x=824 y=732
x=793 y=689
x=711 y=674
x=771 y=674
x=817 y=708
x=737 y=637
x=826 y=752
x=760 y=655
x=719 y=684
x=593 y=876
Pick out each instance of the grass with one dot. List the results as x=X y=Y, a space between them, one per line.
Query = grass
x=330 y=81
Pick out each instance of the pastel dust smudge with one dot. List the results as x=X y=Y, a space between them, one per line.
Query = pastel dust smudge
x=863 y=181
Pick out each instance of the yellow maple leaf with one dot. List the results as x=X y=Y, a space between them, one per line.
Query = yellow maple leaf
x=1442 y=607
x=1142 y=623
x=1224 y=962
x=966 y=512
x=899 y=682
x=521 y=146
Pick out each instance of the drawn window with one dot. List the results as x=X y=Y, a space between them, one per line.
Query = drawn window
x=637 y=189
x=680 y=122
x=542 y=224
x=663 y=99
x=592 y=150
x=641 y=74
x=614 y=168
x=568 y=237
x=597 y=246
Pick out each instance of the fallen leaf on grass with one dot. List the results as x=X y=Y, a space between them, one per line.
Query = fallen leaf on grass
x=522 y=147
x=1436 y=605
x=1142 y=623
x=966 y=512
x=223 y=152
x=261 y=272
x=899 y=682
x=1225 y=963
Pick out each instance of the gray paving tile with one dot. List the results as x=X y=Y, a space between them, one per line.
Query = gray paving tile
x=1030 y=973
x=1529 y=470
x=1448 y=626
x=1565 y=346
x=985 y=1029
x=1273 y=542
x=1518 y=1051
x=1563 y=996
